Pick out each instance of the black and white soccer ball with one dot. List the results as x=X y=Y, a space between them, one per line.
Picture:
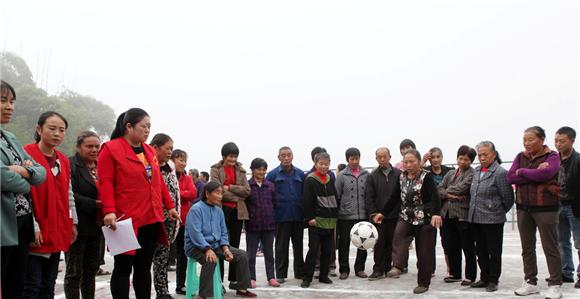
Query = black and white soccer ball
x=364 y=235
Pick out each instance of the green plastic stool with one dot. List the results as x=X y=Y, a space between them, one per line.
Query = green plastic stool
x=192 y=280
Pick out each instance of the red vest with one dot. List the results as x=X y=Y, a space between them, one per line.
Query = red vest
x=50 y=204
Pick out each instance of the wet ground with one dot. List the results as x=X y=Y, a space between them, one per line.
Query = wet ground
x=354 y=287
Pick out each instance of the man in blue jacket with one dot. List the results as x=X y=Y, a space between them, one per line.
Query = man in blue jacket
x=289 y=214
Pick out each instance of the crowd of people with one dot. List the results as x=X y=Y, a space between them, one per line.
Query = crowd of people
x=52 y=204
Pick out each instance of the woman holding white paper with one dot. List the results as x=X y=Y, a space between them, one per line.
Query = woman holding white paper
x=130 y=184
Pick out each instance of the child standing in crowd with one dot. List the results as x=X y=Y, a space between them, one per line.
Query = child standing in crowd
x=53 y=205
x=320 y=212
x=163 y=146
x=261 y=225
x=404 y=146
x=188 y=194
x=229 y=173
x=350 y=192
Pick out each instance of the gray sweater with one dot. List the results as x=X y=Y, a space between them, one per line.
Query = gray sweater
x=350 y=192
x=491 y=196
x=459 y=186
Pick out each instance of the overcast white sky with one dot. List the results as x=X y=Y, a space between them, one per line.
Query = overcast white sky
x=304 y=73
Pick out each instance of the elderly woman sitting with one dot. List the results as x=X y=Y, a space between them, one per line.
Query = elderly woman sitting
x=206 y=238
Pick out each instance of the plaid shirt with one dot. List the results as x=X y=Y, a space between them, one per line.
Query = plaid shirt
x=261 y=206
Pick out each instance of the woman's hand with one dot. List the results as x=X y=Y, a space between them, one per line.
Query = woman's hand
x=210 y=256
x=436 y=221
x=312 y=222
x=20 y=170
x=75 y=233
x=173 y=215
x=378 y=218
x=110 y=221
x=37 y=239
x=229 y=255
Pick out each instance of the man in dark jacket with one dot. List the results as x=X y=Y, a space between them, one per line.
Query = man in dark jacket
x=569 y=180
x=383 y=204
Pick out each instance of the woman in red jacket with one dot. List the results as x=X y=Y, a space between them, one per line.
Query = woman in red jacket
x=131 y=186
x=53 y=205
x=188 y=194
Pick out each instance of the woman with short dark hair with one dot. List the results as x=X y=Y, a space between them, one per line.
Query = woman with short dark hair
x=535 y=174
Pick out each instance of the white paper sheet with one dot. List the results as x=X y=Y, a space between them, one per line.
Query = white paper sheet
x=122 y=239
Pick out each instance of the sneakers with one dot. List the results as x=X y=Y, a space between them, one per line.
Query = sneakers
x=420 y=289
x=378 y=275
x=394 y=273
x=361 y=274
x=491 y=287
x=343 y=276
x=554 y=292
x=246 y=294
x=527 y=289
x=273 y=283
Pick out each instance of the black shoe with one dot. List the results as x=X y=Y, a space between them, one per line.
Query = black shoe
x=376 y=276
x=479 y=284
x=305 y=284
x=577 y=284
x=180 y=291
x=325 y=280
x=299 y=277
x=451 y=279
x=233 y=285
x=281 y=280
x=491 y=287
x=567 y=279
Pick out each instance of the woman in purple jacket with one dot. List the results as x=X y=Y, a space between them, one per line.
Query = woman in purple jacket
x=535 y=172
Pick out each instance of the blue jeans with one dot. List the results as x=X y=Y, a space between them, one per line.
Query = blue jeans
x=568 y=227
x=41 y=276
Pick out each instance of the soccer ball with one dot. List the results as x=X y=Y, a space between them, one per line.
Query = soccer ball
x=364 y=235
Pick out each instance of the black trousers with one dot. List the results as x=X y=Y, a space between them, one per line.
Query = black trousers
x=235 y=234
x=14 y=259
x=344 y=227
x=181 y=270
x=266 y=238
x=459 y=238
x=286 y=231
x=82 y=264
x=488 y=247
x=318 y=239
x=139 y=264
x=383 y=250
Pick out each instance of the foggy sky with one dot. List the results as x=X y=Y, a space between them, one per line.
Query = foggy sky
x=265 y=74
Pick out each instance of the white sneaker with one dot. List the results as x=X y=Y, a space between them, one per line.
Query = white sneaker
x=527 y=289
x=554 y=292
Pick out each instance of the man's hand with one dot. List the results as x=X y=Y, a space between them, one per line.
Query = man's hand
x=436 y=221
x=312 y=222
x=210 y=256
x=378 y=218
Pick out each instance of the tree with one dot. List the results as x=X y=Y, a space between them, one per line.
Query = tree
x=82 y=112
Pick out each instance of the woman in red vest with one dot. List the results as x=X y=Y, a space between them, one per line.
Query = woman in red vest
x=53 y=205
x=131 y=186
